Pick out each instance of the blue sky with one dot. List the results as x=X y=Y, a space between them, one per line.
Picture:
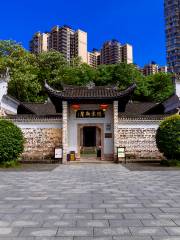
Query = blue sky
x=139 y=22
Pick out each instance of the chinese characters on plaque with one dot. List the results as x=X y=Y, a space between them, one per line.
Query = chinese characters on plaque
x=90 y=114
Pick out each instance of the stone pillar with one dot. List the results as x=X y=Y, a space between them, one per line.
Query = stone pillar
x=65 y=130
x=115 y=127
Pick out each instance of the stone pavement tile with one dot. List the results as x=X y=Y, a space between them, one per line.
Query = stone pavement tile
x=119 y=210
x=171 y=210
x=92 y=210
x=111 y=231
x=158 y=223
x=173 y=231
x=4 y=223
x=81 y=205
x=131 y=205
x=42 y=217
x=54 y=206
x=60 y=223
x=25 y=223
x=156 y=205
x=177 y=222
x=166 y=215
x=75 y=232
x=132 y=238
x=9 y=231
x=125 y=223
x=85 y=216
x=53 y=238
x=65 y=210
x=38 y=232
x=105 y=205
x=147 y=210
x=101 y=216
x=138 y=216
x=148 y=231
x=93 y=223
x=92 y=238
x=17 y=238
x=10 y=211
x=166 y=238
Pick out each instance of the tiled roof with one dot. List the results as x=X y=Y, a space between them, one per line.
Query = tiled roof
x=35 y=118
x=96 y=92
x=168 y=106
x=41 y=109
x=138 y=107
x=157 y=117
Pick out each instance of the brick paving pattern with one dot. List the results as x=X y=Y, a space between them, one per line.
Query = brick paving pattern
x=90 y=201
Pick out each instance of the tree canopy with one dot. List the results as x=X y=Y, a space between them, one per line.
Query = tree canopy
x=29 y=72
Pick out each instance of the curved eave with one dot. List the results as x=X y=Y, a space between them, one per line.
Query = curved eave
x=59 y=94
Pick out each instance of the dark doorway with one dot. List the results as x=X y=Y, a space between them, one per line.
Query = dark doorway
x=89 y=136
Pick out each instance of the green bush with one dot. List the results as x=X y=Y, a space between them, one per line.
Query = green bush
x=168 y=137
x=11 y=141
x=170 y=163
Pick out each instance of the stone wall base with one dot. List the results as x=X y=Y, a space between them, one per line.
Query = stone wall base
x=40 y=143
x=140 y=143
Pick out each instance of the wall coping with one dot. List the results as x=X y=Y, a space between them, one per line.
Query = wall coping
x=34 y=120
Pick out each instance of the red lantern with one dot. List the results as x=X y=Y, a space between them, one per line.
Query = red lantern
x=104 y=107
x=75 y=107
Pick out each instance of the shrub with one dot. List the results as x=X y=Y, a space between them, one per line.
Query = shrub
x=168 y=137
x=11 y=141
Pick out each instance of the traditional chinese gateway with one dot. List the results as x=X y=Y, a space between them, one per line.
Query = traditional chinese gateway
x=86 y=119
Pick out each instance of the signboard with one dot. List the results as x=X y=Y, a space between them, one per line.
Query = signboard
x=108 y=127
x=121 y=152
x=90 y=114
x=108 y=135
x=58 y=153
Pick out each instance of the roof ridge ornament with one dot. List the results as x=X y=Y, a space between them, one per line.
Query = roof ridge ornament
x=90 y=85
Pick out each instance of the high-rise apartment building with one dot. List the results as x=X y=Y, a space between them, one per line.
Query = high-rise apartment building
x=163 y=69
x=39 y=43
x=80 y=45
x=63 y=39
x=172 y=19
x=152 y=68
x=73 y=43
x=94 y=58
x=113 y=52
x=127 y=53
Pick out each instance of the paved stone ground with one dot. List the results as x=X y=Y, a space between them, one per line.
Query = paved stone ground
x=145 y=166
x=90 y=201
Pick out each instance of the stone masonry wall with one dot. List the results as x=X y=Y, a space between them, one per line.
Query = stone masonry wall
x=140 y=143
x=40 y=143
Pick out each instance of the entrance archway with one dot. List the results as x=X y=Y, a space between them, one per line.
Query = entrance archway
x=90 y=138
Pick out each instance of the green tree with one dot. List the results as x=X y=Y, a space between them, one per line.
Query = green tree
x=12 y=141
x=52 y=66
x=159 y=86
x=168 y=137
x=29 y=72
x=24 y=84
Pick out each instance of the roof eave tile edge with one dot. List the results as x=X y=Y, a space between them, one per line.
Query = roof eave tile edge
x=35 y=120
x=130 y=119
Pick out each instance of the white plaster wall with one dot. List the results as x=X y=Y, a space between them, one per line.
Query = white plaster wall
x=73 y=129
x=138 y=124
x=37 y=125
x=9 y=106
x=178 y=88
x=3 y=89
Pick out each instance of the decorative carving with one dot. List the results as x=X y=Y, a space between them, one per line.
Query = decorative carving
x=90 y=85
